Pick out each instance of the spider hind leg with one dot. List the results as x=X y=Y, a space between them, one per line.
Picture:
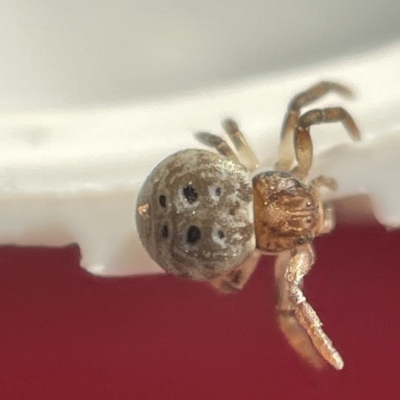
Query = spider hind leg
x=246 y=155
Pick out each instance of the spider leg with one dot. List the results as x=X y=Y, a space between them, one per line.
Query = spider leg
x=218 y=144
x=246 y=154
x=294 y=304
x=324 y=181
x=328 y=219
x=302 y=139
x=236 y=279
x=286 y=150
x=287 y=321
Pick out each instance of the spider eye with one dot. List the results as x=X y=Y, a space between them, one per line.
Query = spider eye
x=218 y=191
x=193 y=234
x=301 y=241
x=190 y=194
x=221 y=234
x=163 y=200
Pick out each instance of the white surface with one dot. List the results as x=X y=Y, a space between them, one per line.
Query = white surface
x=57 y=53
x=73 y=176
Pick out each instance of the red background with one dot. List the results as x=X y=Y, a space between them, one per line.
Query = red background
x=67 y=335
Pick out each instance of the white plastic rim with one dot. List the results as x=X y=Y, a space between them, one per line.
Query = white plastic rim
x=72 y=177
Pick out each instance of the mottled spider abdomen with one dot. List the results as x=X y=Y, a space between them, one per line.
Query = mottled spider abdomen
x=287 y=213
x=195 y=215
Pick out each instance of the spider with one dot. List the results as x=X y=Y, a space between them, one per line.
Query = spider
x=203 y=216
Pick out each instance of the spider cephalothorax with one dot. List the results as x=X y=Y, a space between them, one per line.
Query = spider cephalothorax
x=200 y=216
x=289 y=212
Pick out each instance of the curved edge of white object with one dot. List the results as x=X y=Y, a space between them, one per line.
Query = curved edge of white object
x=72 y=177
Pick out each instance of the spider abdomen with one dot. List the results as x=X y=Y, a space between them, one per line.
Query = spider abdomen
x=287 y=212
x=194 y=214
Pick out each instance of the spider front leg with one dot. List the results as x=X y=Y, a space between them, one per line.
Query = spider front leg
x=246 y=155
x=328 y=221
x=302 y=139
x=286 y=150
x=328 y=218
x=289 y=325
x=293 y=305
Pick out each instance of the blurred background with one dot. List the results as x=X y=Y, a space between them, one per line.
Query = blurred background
x=68 y=335
x=57 y=54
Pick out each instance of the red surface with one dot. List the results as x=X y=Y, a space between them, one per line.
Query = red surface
x=67 y=335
